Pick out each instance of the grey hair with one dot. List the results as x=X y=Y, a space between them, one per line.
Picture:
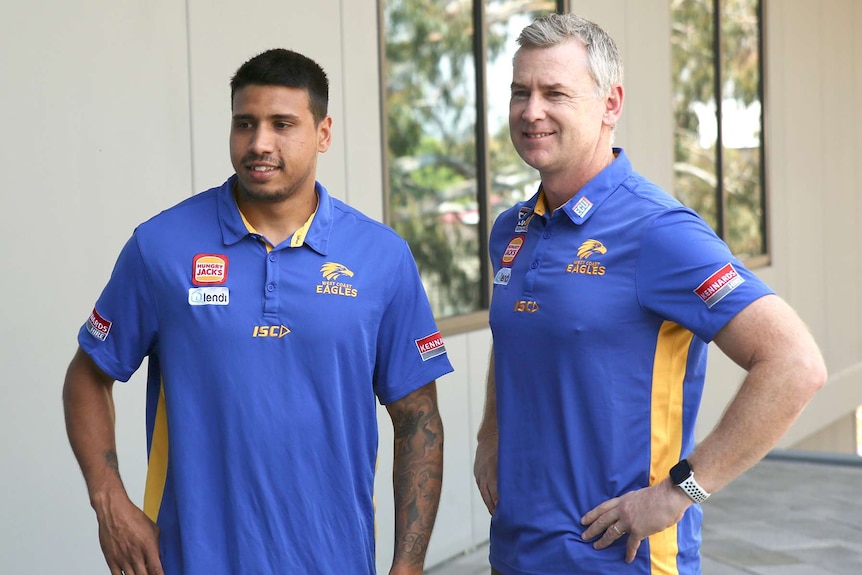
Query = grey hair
x=603 y=58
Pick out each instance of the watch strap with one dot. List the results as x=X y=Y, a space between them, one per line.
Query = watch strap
x=693 y=489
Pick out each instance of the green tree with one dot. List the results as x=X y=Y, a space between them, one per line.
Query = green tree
x=694 y=76
x=431 y=109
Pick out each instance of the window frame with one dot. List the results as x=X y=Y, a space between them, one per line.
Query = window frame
x=478 y=319
x=763 y=259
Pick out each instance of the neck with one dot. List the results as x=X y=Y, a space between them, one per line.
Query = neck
x=277 y=221
x=560 y=187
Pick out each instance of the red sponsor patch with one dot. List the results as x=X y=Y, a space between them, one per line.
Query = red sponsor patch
x=209 y=269
x=98 y=326
x=512 y=250
x=430 y=346
x=718 y=285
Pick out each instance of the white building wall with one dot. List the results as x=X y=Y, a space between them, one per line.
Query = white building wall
x=118 y=109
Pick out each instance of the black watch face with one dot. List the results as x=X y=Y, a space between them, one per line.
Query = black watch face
x=680 y=472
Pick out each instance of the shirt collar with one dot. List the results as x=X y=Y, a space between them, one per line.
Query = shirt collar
x=588 y=199
x=314 y=233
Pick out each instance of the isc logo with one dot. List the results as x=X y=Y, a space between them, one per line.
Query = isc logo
x=278 y=331
x=528 y=306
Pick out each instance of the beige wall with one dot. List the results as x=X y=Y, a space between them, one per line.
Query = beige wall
x=118 y=109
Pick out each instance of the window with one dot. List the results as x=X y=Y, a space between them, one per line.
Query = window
x=451 y=168
x=718 y=139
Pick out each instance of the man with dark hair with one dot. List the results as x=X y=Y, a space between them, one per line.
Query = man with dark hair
x=607 y=292
x=272 y=315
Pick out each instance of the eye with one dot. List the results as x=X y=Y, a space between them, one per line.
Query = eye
x=242 y=125
x=520 y=94
x=281 y=125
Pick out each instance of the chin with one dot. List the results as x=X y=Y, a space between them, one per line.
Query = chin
x=260 y=193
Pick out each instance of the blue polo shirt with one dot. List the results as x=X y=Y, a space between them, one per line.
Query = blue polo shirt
x=601 y=315
x=265 y=364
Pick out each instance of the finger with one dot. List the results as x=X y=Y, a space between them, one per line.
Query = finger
x=632 y=548
x=594 y=530
x=489 y=499
x=140 y=568
x=114 y=567
x=599 y=510
x=154 y=565
x=611 y=534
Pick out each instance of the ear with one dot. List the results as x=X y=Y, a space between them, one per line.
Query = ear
x=613 y=105
x=324 y=134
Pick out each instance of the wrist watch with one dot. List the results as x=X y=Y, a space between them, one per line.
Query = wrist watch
x=682 y=476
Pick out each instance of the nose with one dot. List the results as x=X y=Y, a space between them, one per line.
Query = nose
x=533 y=108
x=262 y=141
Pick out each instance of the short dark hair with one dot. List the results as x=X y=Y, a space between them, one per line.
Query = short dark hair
x=280 y=67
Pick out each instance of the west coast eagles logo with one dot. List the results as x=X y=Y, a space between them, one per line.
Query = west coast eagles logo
x=583 y=265
x=331 y=271
x=591 y=247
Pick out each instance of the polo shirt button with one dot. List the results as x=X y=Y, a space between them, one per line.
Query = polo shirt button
x=272 y=257
x=546 y=235
x=534 y=265
x=270 y=287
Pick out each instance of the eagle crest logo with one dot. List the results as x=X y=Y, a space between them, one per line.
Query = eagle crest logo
x=332 y=270
x=591 y=247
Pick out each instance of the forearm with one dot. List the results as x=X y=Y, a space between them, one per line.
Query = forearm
x=760 y=414
x=778 y=386
x=89 y=411
x=417 y=475
x=488 y=426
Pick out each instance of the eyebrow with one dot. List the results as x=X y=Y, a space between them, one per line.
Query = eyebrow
x=545 y=87
x=275 y=117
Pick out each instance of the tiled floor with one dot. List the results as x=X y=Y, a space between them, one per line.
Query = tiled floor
x=789 y=515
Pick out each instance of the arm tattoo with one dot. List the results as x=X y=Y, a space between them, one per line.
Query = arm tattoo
x=111 y=460
x=417 y=472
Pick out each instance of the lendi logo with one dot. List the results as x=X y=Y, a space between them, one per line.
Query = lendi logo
x=209 y=296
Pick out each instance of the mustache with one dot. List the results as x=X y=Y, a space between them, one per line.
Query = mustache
x=251 y=158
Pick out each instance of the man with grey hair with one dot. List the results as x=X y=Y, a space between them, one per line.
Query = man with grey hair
x=607 y=292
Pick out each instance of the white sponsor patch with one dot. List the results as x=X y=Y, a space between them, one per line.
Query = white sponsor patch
x=209 y=296
x=582 y=207
x=503 y=276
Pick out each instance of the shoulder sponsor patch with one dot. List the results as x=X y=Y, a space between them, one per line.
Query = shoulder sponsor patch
x=209 y=269
x=718 y=285
x=525 y=214
x=98 y=326
x=512 y=250
x=430 y=346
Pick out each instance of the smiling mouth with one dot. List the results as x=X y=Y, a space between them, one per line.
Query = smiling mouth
x=263 y=168
x=536 y=136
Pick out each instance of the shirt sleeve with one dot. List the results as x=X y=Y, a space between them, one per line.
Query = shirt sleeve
x=688 y=275
x=121 y=330
x=410 y=350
